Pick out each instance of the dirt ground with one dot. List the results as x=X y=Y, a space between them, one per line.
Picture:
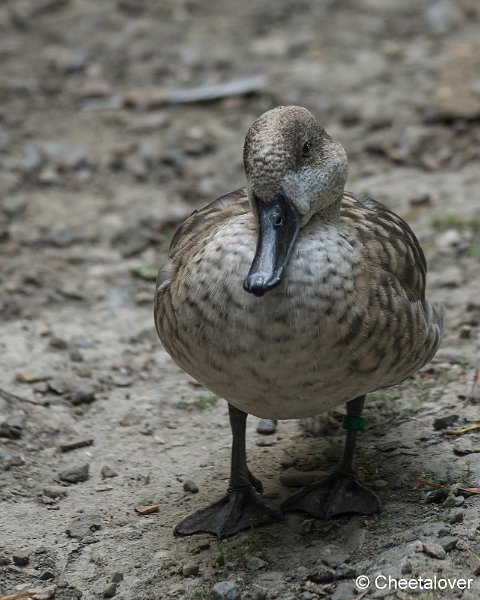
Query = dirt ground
x=99 y=160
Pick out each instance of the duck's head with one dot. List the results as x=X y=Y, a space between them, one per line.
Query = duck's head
x=294 y=169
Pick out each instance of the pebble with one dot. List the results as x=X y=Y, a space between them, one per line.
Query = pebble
x=11 y=429
x=254 y=562
x=258 y=592
x=465 y=446
x=436 y=496
x=345 y=591
x=68 y=446
x=226 y=590
x=4 y=560
x=21 y=560
x=54 y=491
x=448 y=542
x=75 y=473
x=58 y=343
x=444 y=422
x=322 y=574
x=116 y=577
x=406 y=566
x=107 y=472
x=190 y=570
x=266 y=426
x=380 y=484
x=84 y=525
x=84 y=394
x=190 y=486
x=107 y=591
x=434 y=550
x=76 y=355
x=456 y=516
x=345 y=571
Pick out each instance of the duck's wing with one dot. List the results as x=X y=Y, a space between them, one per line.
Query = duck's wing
x=199 y=224
x=395 y=247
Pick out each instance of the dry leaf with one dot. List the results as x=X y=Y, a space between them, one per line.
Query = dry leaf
x=146 y=510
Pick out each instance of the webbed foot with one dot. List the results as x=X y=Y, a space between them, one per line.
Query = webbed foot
x=239 y=509
x=337 y=494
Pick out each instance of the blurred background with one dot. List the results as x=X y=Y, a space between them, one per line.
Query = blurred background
x=117 y=119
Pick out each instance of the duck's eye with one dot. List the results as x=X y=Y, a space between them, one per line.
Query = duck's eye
x=278 y=221
x=306 y=150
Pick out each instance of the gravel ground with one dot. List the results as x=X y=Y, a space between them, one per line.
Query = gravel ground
x=105 y=145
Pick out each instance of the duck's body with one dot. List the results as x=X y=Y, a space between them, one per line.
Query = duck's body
x=290 y=298
x=349 y=317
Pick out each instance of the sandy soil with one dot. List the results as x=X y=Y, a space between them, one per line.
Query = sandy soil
x=96 y=170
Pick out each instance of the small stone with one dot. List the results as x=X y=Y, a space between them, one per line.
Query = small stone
x=75 y=473
x=322 y=574
x=436 y=496
x=425 y=435
x=448 y=542
x=84 y=394
x=380 y=484
x=465 y=446
x=68 y=446
x=226 y=590
x=254 y=562
x=190 y=570
x=46 y=575
x=107 y=472
x=11 y=429
x=345 y=571
x=259 y=592
x=110 y=590
x=76 y=355
x=444 y=422
x=434 y=550
x=345 y=591
x=266 y=426
x=84 y=525
x=475 y=564
x=4 y=560
x=58 y=343
x=406 y=566
x=116 y=577
x=190 y=486
x=465 y=332
x=54 y=491
x=456 y=516
x=21 y=560
x=459 y=501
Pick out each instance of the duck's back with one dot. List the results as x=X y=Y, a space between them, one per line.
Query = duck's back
x=349 y=317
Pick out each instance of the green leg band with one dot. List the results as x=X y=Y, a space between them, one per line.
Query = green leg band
x=353 y=423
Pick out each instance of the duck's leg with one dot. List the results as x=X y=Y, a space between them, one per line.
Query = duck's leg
x=340 y=492
x=241 y=507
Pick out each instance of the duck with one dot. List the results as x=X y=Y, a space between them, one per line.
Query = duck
x=291 y=297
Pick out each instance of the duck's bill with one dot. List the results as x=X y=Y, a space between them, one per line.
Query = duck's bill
x=278 y=227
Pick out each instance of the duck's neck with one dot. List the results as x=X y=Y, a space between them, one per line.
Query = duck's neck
x=330 y=213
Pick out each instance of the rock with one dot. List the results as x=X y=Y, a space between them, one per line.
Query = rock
x=334 y=560
x=190 y=570
x=465 y=446
x=322 y=574
x=75 y=473
x=84 y=525
x=116 y=577
x=345 y=571
x=54 y=491
x=406 y=566
x=436 y=496
x=76 y=355
x=68 y=446
x=58 y=343
x=226 y=590
x=444 y=422
x=380 y=484
x=254 y=562
x=21 y=560
x=63 y=237
x=459 y=501
x=456 y=516
x=110 y=590
x=474 y=564
x=11 y=429
x=443 y=16
x=424 y=435
x=13 y=206
x=190 y=486
x=4 y=560
x=46 y=575
x=266 y=426
x=434 y=550
x=345 y=591
x=448 y=542
x=107 y=472
x=84 y=394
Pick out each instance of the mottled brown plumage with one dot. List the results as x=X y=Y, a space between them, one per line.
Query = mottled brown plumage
x=349 y=315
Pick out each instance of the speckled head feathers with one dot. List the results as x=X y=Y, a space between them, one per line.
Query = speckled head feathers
x=287 y=151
